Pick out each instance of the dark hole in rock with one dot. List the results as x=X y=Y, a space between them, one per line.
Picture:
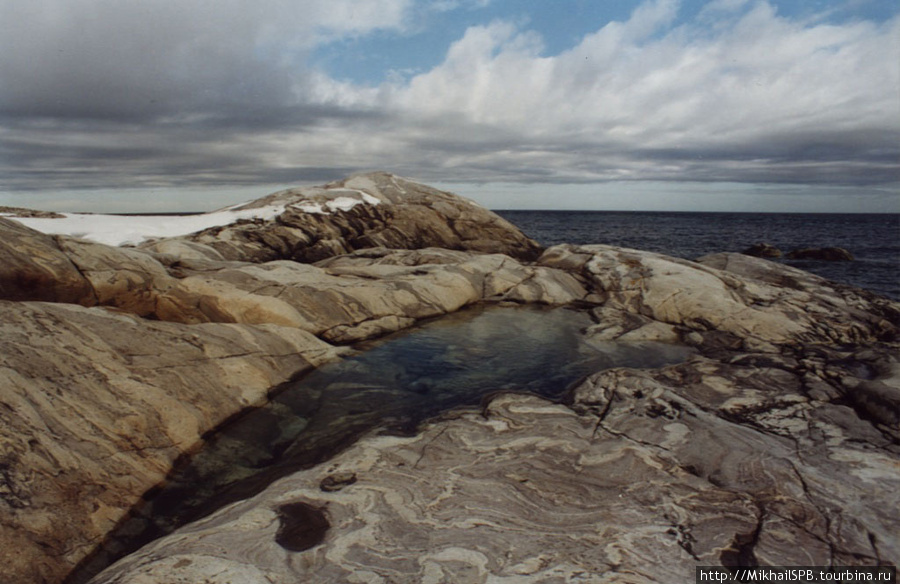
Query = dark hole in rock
x=301 y=526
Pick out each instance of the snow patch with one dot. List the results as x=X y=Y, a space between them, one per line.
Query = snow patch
x=342 y=203
x=131 y=230
x=309 y=207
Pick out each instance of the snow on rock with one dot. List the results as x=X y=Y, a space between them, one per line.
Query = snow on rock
x=134 y=229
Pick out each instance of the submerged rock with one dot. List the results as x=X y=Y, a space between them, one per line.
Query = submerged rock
x=645 y=475
x=762 y=250
x=828 y=254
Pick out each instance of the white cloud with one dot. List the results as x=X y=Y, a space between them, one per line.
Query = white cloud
x=642 y=86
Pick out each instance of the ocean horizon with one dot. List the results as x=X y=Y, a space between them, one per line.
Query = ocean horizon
x=872 y=238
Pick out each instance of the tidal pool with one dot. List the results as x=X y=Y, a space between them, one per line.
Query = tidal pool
x=393 y=384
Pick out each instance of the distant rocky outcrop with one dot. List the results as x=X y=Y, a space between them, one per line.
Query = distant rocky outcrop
x=762 y=250
x=827 y=254
x=20 y=212
x=776 y=444
x=364 y=211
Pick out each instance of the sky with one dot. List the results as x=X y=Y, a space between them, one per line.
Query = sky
x=693 y=105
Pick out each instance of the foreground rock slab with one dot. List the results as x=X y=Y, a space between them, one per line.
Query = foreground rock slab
x=95 y=406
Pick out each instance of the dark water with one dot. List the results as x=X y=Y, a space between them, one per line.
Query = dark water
x=874 y=240
x=394 y=383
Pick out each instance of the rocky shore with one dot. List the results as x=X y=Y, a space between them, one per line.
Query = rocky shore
x=778 y=443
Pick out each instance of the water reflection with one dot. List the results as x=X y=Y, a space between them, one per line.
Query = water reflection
x=394 y=383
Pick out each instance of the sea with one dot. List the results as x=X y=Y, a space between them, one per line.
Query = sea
x=872 y=239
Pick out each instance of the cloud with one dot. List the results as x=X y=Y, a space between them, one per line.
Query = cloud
x=763 y=99
x=100 y=93
x=137 y=60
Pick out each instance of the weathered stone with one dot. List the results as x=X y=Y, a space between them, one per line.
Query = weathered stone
x=95 y=407
x=644 y=476
x=777 y=444
x=364 y=211
x=33 y=267
x=731 y=293
x=125 y=278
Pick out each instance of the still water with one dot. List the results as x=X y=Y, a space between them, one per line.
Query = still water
x=392 y=384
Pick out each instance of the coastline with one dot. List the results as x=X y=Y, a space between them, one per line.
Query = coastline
x=777 y=347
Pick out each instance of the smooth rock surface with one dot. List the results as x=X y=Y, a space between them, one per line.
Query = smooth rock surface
x=96 y=405
x=754 y=300
x=33 y=267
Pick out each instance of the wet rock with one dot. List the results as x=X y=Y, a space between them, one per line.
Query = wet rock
x=827 y=254
x=762 y=250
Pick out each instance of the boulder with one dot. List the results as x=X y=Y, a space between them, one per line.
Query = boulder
x=762 y=250
x=826 y=254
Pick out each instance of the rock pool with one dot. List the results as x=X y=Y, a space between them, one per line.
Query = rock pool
x=388 y=385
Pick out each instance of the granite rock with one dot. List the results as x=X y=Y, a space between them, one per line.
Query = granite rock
x=364 y=211
x=33 y=267
x=776 y=445
x=755 y=301
x=96 y=405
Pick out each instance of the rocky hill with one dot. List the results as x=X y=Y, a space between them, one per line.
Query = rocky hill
x=778 y=443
